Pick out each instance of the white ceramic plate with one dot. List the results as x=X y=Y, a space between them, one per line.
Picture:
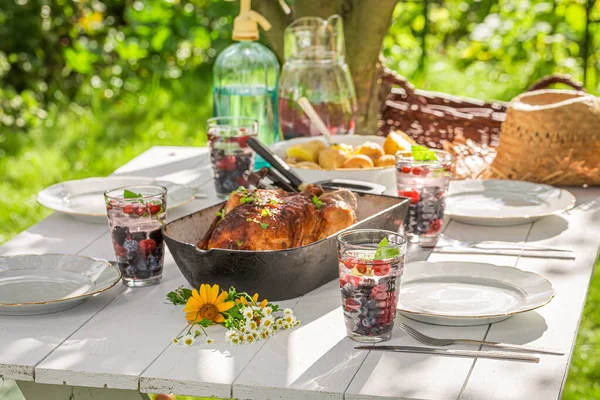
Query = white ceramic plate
x=503 y=203
x=466 y=293
x=84 y=198
x=385 y=176
x=48 y=283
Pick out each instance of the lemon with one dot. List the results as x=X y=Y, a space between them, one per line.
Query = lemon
x=303 y=153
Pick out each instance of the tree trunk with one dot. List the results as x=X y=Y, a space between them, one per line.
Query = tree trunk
x=365 y=26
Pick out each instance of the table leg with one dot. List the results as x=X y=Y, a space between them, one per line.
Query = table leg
x=40 y=391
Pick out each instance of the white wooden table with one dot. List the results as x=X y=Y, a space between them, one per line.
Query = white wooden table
x=118 y=344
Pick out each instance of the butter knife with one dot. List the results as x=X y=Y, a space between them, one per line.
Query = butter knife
x=516 y=252
x=502 y=355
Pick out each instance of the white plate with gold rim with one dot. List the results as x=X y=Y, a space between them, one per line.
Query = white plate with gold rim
x=32 y=284
x=504 y=202
x=468 y=293
x=84 y=198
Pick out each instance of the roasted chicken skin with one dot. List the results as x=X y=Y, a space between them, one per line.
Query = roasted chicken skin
x=276 y=220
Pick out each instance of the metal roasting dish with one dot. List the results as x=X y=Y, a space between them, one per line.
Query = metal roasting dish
x=275 y=274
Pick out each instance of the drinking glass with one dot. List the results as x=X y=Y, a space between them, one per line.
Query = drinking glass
x=230 y=154
x=425 y=183
x=136 y=215
x=370 y=265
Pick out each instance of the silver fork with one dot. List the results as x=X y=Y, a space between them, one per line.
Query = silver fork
x=431 y=341
x=491 y=244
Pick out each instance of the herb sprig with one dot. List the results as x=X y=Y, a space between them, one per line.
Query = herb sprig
x=317 y=203
x=385 y=252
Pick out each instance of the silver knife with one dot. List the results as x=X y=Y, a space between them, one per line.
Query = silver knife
x=534 y=254
x=503 y=355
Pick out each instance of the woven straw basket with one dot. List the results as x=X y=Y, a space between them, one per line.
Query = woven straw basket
x=550 y=136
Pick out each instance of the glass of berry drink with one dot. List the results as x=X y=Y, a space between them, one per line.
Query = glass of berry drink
x=136 y=215
x=230 y=154
x=425 y=184
x=370 y=264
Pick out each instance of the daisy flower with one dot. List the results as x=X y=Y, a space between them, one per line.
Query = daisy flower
x=249 y=338
x=248 y=313
x=264 y=334
x=279 y=322
x=251 y=325
x=289 y=318
x=207 y=304
x=235 y=340
x=175 y=340
x=267 y=310
x=288 y=311
x=286 y=326
x=267 y=321
x=188 y=340
x=209 y=340
x=296 y=322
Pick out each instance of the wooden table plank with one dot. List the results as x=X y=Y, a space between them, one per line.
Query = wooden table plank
x=554 y=325
x=420 y=376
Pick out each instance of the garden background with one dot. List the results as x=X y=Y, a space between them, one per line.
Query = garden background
x=86 y=85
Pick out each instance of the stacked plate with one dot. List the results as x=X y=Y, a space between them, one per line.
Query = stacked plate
x=48 y=283
x=467 y=293
x=84 y=198
x=503 y=203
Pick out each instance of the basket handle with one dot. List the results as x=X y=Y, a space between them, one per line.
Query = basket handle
x=553 y=79
x=392 y=78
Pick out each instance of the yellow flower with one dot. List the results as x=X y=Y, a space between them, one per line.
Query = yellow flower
x=207 y=304
x=243 y=301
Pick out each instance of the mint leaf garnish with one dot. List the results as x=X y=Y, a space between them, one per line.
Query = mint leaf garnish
x=239 y=243
x=385 y=252
x=264 y=225
x=422 y=153
x=128 y=194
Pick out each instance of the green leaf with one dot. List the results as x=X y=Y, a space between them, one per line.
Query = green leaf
x=265 y=212
x=205 y=323
x=317 y=202
x=239 y=243
x=264 y=225
x=247 y=199
x=385 y=252
x=221 y=214
x=179 y=296
x=128 y=194
x=422 y=153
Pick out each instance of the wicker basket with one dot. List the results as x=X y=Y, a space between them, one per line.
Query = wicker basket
x=432 y=117
x=470 y=129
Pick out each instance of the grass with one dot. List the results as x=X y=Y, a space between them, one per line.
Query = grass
x=78 y=142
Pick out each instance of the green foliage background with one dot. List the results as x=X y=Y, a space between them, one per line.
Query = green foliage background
x=86 y=85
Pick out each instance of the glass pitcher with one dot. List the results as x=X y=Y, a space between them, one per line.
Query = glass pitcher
x=315 y=68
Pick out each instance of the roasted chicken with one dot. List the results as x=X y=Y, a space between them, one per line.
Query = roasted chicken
x=275 y=219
